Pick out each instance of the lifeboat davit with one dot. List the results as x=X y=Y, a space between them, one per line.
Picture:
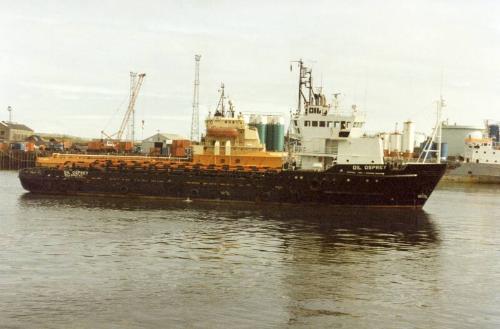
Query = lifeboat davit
x=222 y=132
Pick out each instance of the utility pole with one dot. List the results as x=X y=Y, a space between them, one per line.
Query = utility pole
x=195 y=119
x=9 y=108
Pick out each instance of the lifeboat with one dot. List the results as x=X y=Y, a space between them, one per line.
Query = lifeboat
x=222 y=132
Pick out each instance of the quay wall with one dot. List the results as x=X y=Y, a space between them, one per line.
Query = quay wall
x=17 y=159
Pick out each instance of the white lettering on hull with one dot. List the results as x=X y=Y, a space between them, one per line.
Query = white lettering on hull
x=75 y=173
x=369 y=167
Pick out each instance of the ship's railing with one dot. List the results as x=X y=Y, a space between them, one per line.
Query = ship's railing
x=339 y=113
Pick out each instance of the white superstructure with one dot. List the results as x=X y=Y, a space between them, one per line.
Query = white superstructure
x=327 y=136
x=479 y=149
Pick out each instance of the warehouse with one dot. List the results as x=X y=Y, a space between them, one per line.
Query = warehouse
x=159 y=143
x=13 y=132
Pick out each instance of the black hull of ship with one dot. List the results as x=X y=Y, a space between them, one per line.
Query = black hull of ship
x=354 y=185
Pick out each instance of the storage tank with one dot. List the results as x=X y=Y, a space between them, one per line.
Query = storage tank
x=278 y=134
x=408 y=142
x=259 y=122
x=261 y=128
x=385 y=143
x=444 y=151
x=269 y=134
x=494 y=132
x=395 y=142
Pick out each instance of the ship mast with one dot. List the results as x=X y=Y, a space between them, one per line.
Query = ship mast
x=436 y=135
x=440 y=105
x=305 y=80
x=219 y=110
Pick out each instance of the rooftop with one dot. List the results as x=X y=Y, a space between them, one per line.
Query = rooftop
x=164 y=136
x=13 y=125
x=455 y=126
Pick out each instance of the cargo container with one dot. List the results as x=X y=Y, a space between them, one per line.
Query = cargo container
x=179 y=146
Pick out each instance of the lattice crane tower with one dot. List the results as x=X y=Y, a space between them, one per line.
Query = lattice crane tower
x=195 y=119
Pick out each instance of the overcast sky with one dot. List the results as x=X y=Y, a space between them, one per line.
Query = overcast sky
x=65 y=64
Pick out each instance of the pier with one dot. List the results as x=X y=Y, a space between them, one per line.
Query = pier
x=17 y=159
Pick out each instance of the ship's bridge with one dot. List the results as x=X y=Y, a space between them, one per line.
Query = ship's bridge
x=320 y=122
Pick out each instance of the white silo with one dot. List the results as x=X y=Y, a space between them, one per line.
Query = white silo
x=408 y=137
x=386 y=138
x=395 y=142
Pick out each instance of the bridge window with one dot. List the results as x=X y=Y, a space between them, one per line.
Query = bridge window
x=322 y=123
x=336 y=124
x=329 y=124
x=314 y=123
x=307 y=123
x=342 y=125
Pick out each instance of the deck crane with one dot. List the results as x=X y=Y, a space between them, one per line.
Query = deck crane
x=136 y=80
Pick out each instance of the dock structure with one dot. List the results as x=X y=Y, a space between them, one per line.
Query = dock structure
x=17 y=159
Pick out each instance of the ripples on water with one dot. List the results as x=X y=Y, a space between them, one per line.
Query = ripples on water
x=85 y=262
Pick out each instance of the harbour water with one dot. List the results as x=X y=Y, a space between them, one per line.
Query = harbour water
x=81 y=262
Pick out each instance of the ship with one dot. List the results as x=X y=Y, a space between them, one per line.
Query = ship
x=481 y=162
x=326 y=160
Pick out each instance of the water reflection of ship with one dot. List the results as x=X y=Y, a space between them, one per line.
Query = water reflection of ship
x=312 y=266
x=326 y=226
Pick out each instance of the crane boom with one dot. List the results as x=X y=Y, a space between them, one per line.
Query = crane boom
x=135 y=85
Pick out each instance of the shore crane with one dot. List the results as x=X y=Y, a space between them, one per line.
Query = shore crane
x=136 y=80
